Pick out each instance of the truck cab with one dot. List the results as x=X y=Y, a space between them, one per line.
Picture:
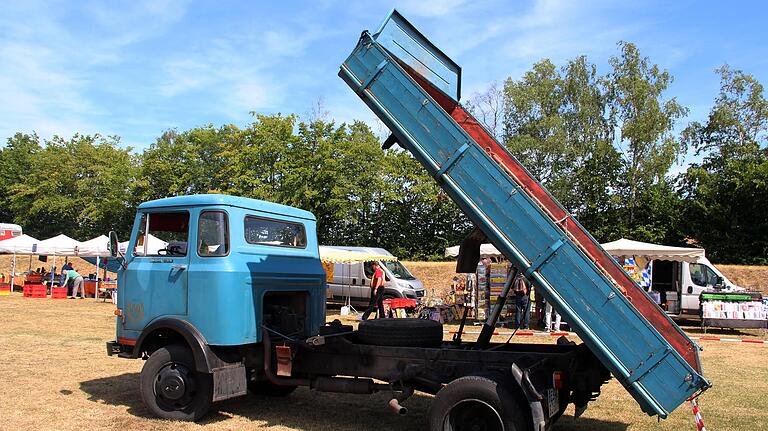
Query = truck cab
x=208 y=271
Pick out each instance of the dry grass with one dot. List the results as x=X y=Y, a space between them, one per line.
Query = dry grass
x=56 y=375
x=750 y=277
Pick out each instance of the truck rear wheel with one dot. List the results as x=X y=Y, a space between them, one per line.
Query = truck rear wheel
x=401 y=332
x=476 y=403
x=171 y=388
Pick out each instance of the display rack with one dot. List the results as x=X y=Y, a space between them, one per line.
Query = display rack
x=736 y=310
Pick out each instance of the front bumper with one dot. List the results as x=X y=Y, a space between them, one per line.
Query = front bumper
x=121 y=350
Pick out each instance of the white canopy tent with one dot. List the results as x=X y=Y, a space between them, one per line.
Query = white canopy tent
x=59 y=245
x=628 y=247
x=23 y=244
x=95 y=247
x=486 y=250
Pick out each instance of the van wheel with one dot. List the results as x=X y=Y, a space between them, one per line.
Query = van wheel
x=270 y=389
x=171 y=388
x=476 y=403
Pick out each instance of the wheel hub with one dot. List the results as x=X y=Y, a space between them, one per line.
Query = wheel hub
x=473 y=415
x=174 y=383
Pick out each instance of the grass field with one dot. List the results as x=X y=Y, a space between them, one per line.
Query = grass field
x=56 y=375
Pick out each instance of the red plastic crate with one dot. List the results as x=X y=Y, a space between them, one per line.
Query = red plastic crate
x=35 y=291
x=401 y=303
x=58 y=293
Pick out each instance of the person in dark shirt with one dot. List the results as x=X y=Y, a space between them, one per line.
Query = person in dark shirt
x=522 y=302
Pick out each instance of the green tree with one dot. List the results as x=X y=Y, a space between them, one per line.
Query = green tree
x=181 y=163
x=646 y=122
x=726 y=195
x=556 y=125
x=16 y=160
x=80 y=187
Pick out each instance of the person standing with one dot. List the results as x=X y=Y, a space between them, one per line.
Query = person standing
x=548 y=310
x=77 y=282
x=522 y=302
x=377 y=292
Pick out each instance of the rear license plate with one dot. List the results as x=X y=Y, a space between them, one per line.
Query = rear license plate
x=553 y=401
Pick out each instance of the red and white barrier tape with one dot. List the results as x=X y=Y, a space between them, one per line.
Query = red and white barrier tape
x=527 y=333
x=697 y=415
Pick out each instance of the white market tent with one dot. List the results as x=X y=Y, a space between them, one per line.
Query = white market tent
x=628 y=247
x=95 y=247
x=59 y=245
x=23 y=244
x=486 y=250
x=621 y=247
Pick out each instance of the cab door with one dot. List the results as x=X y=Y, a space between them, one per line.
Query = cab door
x=699 y=278
x=156 y=274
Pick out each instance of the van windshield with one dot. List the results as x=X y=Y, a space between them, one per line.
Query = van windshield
x=398 y=270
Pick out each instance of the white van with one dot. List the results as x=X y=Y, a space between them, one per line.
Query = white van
x=680 y=283
x=353 y=280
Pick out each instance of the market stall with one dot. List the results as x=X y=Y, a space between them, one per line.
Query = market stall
x=683 y=282
x=57 y=247
x=20 y=245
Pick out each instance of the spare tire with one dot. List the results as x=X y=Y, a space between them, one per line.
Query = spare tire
x=401 y=332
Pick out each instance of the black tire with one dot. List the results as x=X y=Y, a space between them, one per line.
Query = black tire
x=476 y=403
x=401 y=332
x=270 y=389
x=171 y=388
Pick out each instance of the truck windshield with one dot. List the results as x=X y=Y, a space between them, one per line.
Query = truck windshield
x=398 y=270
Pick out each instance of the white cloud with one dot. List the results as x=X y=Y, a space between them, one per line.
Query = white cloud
x=48 y=74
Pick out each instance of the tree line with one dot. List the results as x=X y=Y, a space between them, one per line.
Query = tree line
x=611 y=147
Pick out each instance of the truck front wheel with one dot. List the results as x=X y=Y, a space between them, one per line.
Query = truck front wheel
x=171 y=388
x=476 y=403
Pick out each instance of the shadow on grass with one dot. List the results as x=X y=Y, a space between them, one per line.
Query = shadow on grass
x=570 y=423
x=301 y=410
x=305 y=409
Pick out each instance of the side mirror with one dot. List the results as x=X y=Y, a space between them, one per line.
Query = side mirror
x=719 y=282
x=113 y=243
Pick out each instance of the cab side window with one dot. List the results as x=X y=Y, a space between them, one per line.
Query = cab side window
x=163 y=234
x=368 y=269
x=279 y=233
x=213 y=234
x=702 y=275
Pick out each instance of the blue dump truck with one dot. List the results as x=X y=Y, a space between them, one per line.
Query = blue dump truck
x=233 y=299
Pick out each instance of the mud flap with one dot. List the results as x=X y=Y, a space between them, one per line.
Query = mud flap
x=540 y=421
x=229 y=382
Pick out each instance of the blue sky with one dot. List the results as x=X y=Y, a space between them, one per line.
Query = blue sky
x=137 y=68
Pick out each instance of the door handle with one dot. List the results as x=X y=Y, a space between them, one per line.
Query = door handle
x=179 y=267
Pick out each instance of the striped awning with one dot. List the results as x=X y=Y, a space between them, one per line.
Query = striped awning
x=333 y=255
